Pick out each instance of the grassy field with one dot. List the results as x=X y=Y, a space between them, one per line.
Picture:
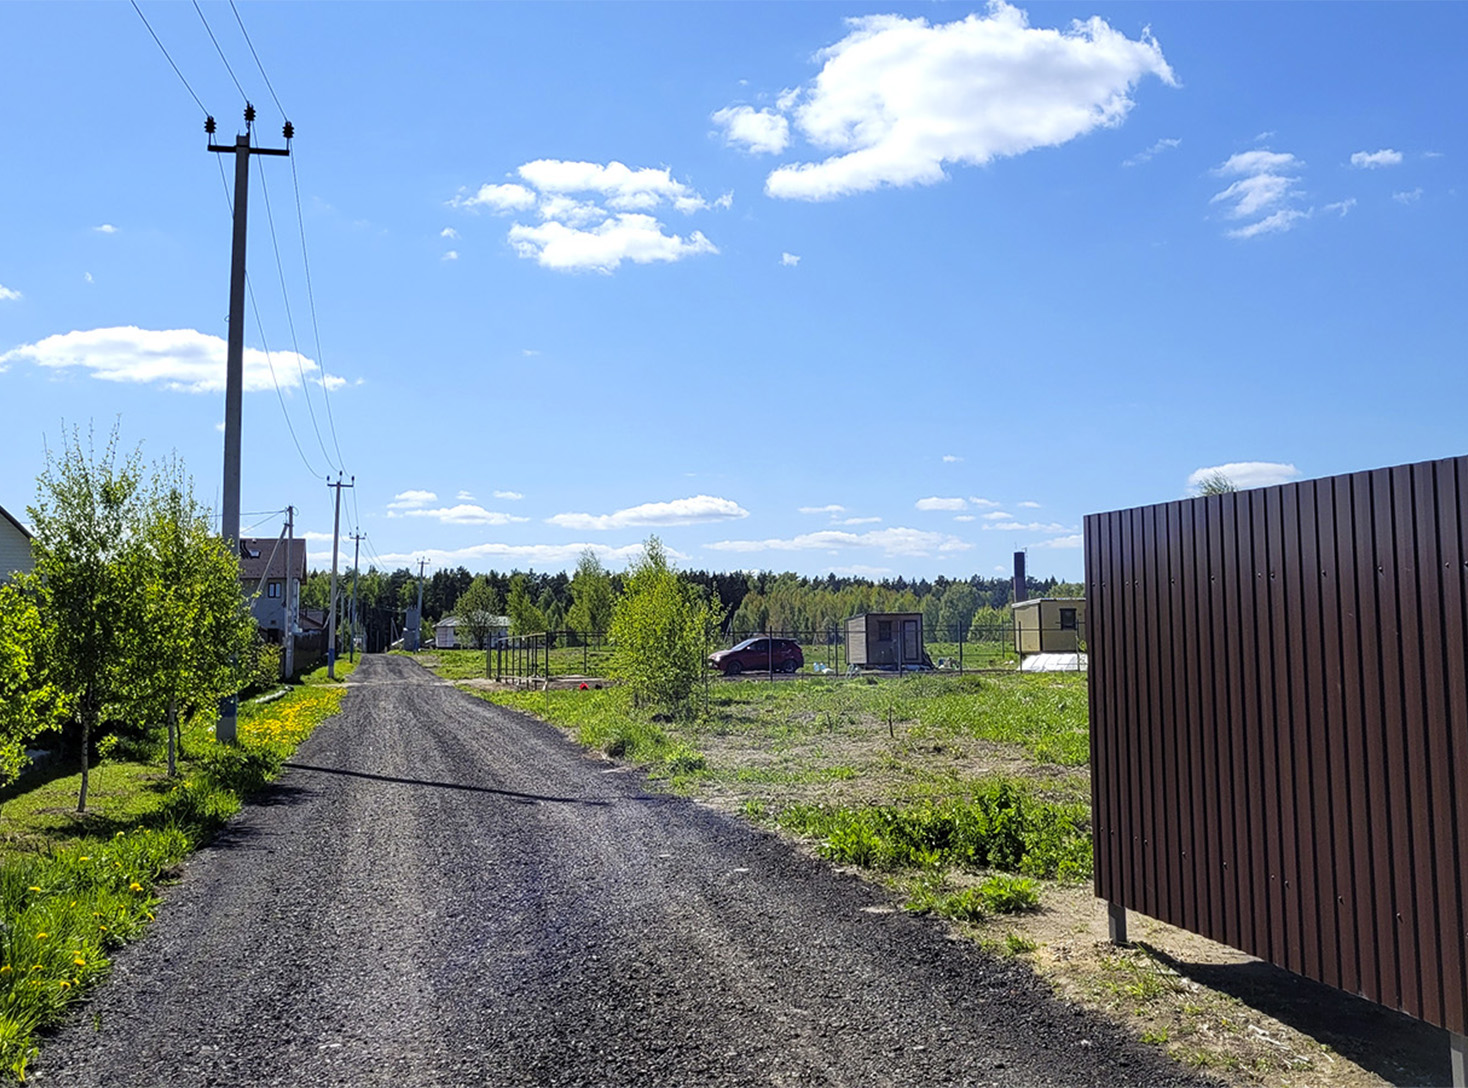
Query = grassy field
x=74 y=887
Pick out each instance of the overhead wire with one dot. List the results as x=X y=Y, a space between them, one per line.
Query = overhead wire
x=168 y=58
x=311 y=300
x=256 y=55
x=220 y=51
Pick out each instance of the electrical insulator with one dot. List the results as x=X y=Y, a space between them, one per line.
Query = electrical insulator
x=289 y=130
x=209 y=125
x=249 y=113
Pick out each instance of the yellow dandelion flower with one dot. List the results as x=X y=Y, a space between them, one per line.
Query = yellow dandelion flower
x=85 y=857
x=79 y=962
x=5 y=970
x=135 y=886
x=42 y=936
x=64 y=984
x=33 y=888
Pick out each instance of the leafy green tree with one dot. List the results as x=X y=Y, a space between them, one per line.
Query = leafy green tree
x=193 y=634
x=1216 y=483
x=960 y=601
x=478 y=612
x=28 y=702
x=525 y=617
x=591 y=596
x=661 y=631
x=85 y=522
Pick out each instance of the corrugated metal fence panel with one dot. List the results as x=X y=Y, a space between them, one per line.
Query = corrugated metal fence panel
x=1279 y=725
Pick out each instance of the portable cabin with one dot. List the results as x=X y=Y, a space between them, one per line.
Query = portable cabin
x=1049 y=625
x=885 y=640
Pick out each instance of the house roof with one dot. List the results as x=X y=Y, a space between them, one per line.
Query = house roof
x=8 y=516
x=255 y=552
x=454 y=621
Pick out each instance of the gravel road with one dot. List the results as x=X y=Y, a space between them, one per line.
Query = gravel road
x=440 y=892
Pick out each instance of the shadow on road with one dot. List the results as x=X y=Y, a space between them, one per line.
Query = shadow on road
x=1396 y=1047
x=514 y=795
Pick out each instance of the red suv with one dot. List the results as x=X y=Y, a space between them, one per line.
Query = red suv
x=759 y=655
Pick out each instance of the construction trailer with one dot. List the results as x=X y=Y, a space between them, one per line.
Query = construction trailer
x=1049 y=625
x=885 y=640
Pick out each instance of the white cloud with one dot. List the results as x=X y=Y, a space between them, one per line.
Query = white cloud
x=760 y=132
x=636 y=238
x=789 y=260
x=462 y=514
x=7 y=294
x=451 y=255
x=1028 y=526
x=936 y=503
x=897 y=99
x=951 y=459
x=1164 y=144
x=832 y=508
x=1411 y=196
x=87 y=276
x=1263 y=189
x=895 y=541
x=539 y=555
x=465 y=496
x=497 y=198
x=183 y=360
x=1277 y=223
x=1074 y=540
x=963 y=517
x=411 y=500
x=982 y=504
x=998 y=515
x=624 y=188
x=513 y=496
x=1244 y=474
x=1029 y=504
x=313 y=537
x=105 y=228
x=1375 y=160
x=858 y=521
x=861 y=570
x=448 y=232
x=1342 y=206
x=698 y=510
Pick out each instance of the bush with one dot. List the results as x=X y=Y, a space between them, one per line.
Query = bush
x=1010 y=894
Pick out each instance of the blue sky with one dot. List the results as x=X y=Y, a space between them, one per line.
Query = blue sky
x=880 y=289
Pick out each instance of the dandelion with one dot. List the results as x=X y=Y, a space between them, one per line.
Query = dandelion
x=42 y=936
x=85 y=857
x=64 y=984
x=33 y=888
x=135 y=886
x=79 y=962
x=5 y=970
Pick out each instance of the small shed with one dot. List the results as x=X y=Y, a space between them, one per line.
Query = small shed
x=885 y=640
x=447 y=636
x=1049 y=625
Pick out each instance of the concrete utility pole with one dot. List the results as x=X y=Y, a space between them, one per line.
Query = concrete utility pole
x=418 y=641
x=356 y=552
x=292 y=592
x=234 y=369
x=336 y=529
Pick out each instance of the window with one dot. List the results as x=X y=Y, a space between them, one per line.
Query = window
x=1067 y=619
x=884 y=630
x=273 y=590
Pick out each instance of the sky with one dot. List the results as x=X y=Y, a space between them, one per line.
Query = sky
x=891 y=289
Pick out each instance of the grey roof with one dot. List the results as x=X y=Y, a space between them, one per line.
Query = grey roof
x=255 y=551
x=11 y=518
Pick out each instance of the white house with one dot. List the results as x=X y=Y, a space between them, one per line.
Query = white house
x=444 y=633
x=15 y=546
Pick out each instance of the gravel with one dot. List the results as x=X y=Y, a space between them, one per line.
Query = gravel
x=440 y=892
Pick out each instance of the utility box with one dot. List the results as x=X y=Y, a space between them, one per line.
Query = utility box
x=1049 y=625
x=885 y=640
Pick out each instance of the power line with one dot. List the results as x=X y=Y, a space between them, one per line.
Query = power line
x=222 y=57
x=167 y=57
x=256 y=55
x=260 y=329
x=311 y=299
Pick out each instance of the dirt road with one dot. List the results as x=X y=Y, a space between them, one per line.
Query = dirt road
x=444 y=893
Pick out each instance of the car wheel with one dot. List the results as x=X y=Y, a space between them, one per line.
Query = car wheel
x=733 y=668
x=789 y=666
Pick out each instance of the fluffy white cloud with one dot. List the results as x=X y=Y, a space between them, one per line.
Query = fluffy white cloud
x=411 y=500
x=1375 y=160
x=1263 y=188
x=623 y=188
x=1244 y=474
x=789 y=260
x=963 y=517
x=603 y=248
x=698 y=510
x=497 y=198
x=448 y=232
x=1411 y=196
x=951 y=459
x=451 y=255
x=184 y=360
x=832 y=508
x=105 y=228
x=858 y=521
x=7 y=294
x=1012 y=526
x=465 y=496
x=1164 y=144
x=998 y=515
x=512 y=496
x=897 y=99
x=1074 y=540
x=936 y=503
x=462 y=514
x=1030 y=504
x=894 y=541
x=1341 y=206
x=760 y=132
x=478 y=556
x=982 y=504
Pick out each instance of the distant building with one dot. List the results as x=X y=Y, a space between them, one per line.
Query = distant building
x=1049 y=625
x=885 y=640
x=272 y=580
x=447 y=634
x=15 y=547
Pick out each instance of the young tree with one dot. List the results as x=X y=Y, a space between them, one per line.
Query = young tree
x=957 y=612
x=194 y=632
x=1216 y=483
x=661 y=631
x=591 y=596
x=85 y=520
x=525 y=618
x=28 y=703
x=479 y=611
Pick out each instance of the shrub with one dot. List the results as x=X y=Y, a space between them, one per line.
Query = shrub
x=1009 y=894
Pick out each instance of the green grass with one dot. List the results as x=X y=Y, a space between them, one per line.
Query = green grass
x=73 y=888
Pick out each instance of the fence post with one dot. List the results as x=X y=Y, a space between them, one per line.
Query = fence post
x=1458 y=1056
x=1116 y=923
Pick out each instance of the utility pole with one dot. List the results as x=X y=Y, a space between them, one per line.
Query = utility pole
x=336 y=529
x=418 y=639
x=234 y=370
x=356 y=552
x=292 y=592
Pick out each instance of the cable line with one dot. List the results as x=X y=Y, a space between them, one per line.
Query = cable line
x=311 y=299
x=167 y=57
x=256 y=55
x=260 y=329
x=222 y=57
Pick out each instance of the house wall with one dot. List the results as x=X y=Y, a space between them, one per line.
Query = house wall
x=15 y=550
x=864 y=648
x=1037 y=628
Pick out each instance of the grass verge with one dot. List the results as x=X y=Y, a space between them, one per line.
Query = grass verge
x=74 y=888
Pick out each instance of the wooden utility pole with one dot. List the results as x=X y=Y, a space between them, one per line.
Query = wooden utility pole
x=418 y=639
x=336 y=529
x=234 y=368
x=292 y=593
x=352 y=629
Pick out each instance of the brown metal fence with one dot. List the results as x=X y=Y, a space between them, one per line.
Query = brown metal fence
x=1279 y=725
